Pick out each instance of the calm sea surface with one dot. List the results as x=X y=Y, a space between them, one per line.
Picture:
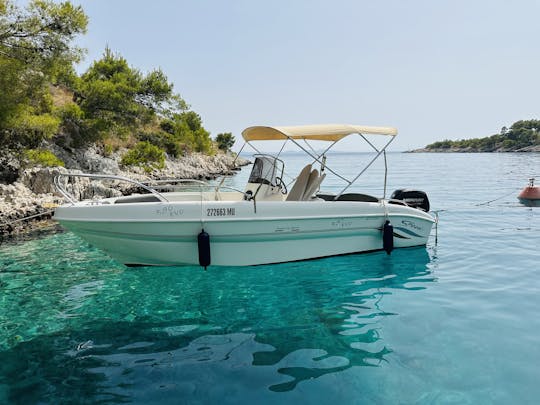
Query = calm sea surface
x=453 y=323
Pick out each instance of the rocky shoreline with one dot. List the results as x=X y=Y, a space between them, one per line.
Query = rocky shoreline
x=28 y=196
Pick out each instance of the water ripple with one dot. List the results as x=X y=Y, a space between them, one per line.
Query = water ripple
x=453 y=323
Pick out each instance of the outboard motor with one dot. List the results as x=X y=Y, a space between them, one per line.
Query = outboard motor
x=413 y=198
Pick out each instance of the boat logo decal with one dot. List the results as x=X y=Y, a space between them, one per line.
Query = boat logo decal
x=341 y=223
x=410 y=224
x=287 y=229
x=407 y=231
x=220 y=212
x=169 y=211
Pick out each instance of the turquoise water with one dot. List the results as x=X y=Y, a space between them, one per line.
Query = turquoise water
x=453 y=323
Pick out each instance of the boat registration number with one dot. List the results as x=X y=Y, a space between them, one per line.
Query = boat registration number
x=220 y=212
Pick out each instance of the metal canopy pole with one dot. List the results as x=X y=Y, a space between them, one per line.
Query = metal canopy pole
x=234 y=161
x=317 y=159
x=326 y=150
x=385 y=175
x=370 y=144
x=365 y=168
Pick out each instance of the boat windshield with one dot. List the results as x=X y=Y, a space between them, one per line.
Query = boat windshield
x=265 y=170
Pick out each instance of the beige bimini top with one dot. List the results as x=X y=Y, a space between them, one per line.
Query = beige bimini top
x=326 y=132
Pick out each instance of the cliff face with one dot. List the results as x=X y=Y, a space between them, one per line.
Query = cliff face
x=29 y=192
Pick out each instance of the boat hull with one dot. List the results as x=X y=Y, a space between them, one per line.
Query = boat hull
x=241 y=233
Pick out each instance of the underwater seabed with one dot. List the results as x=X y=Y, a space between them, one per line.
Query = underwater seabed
x=454 y=323
x=134 y=333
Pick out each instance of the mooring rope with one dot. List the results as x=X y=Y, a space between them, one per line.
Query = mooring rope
x=437 y=212
x=472 y=205
x=498 y=198
x=28 y=217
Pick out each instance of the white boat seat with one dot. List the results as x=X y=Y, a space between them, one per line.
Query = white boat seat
x=299 y=186
x=313 y=184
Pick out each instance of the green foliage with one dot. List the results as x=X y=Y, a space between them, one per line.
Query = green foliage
x=70 y=112
x=145 y=155
x=40 y=126
x=521 y=134
x=190 y=130
x=186 y=130
x=116 y=98
x=164 y=140
x=42 y=97
x=446 y=144
x=34 y=51
x=225 y=141
x=30 y=128
x=42 y=157
x=39 y=36
x=203 y=142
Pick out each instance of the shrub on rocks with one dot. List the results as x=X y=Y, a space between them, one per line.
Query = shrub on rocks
x=42 y=157
x=145 y=155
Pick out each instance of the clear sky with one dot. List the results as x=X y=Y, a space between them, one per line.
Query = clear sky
x=434 y=69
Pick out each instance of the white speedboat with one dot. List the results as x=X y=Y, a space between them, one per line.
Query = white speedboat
x=264 y=223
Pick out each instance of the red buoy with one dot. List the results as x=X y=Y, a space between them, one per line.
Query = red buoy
x=530 y=195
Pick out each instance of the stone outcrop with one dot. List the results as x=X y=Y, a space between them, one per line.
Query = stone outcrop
x=17 y=202
x=31 y=192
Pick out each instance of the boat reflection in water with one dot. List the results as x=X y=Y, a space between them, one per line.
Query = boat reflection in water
x=343 y=327
x=249 y=333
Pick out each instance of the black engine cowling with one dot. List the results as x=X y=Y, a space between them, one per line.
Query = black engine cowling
x=413 y=198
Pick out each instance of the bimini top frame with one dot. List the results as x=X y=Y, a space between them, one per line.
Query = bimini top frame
x=327 y=132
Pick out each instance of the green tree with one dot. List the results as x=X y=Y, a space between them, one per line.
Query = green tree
x=225 y=141
x=145 y=155
x=35 y=51
x=521 y=134
x=187 y=129
x=201 y=141
x=42 y=98
x=116 y=98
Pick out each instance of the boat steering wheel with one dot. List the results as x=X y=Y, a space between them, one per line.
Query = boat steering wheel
x=281 y=185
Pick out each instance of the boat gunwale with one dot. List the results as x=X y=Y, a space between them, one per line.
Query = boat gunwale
x=426 y=217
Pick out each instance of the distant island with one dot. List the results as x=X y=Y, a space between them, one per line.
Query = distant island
x=522 y=136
